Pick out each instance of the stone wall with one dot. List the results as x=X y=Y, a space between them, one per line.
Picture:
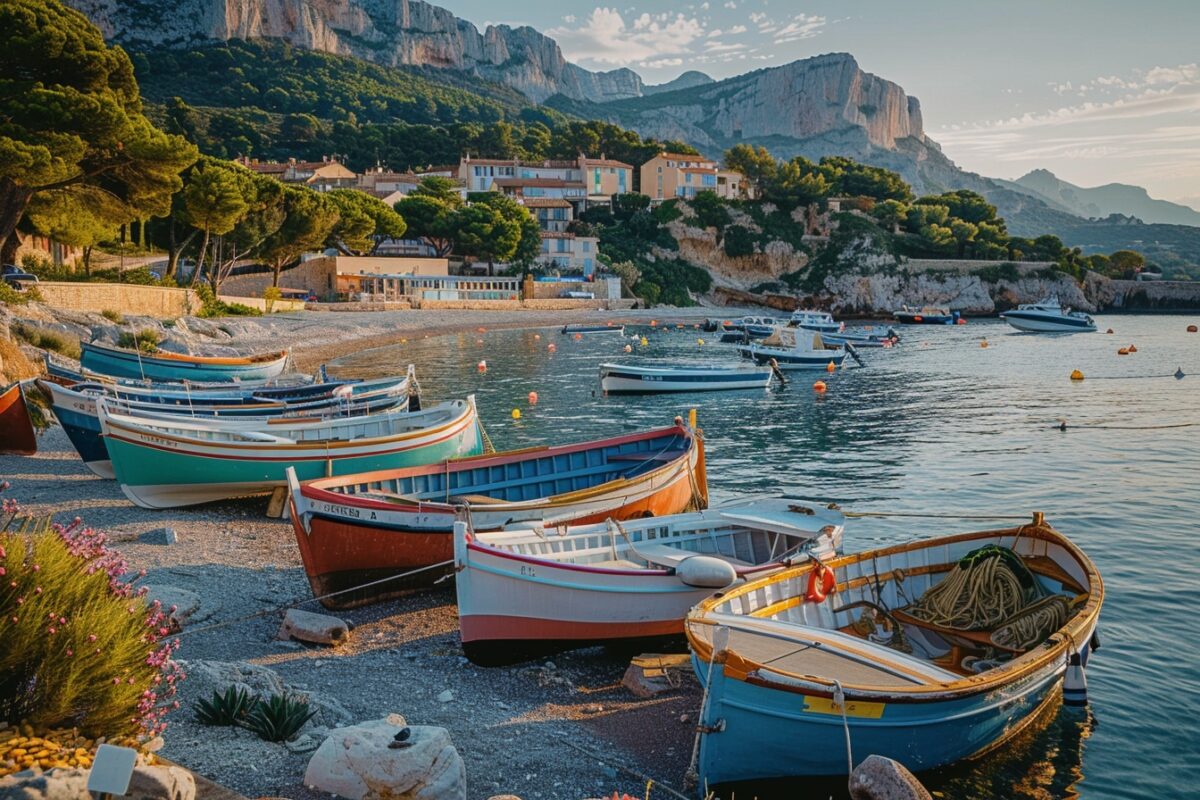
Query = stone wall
x=278 y=307
x=967 y=266
x=603 y=288
x=149 y=301
x=1155 y=295
x=554 y=304
x=315 y=275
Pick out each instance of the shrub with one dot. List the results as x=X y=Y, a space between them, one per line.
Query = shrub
x=211 y=306
x=46 y=338
x=667 y=211
x=145 y=340
x=1000 y=272
x=230 y=708
x=11 y=297
x=115 y=317
x=279 y=717
x=709 y=210
x=270 y=295
x=14 y=365
x=739 y=241
x=82 y=648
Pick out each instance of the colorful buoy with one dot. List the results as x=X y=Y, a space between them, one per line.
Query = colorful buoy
x=699 y=342
x=960 y=321
x=533 y=398
x=819 y=387
x=1192 y=329
x=653 y=323
x=1124 y=351
x=551 y=347
x=645 y=341
x=1132 y=349
x=1110 y=330
x=578 y=336
x=482 y=330
x=481 y=366
x=516 y=413
x=628 y=348
x=984 y=343
x=1076 y=375
x=537 y=337
x=830 y=367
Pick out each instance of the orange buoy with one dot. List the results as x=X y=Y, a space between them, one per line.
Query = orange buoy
x=533 y=398
x=653 y=323
x=960 y=321
x=821 y=582
x=984 y=343
x=537 y=337
x=819 y=387
x=830 y=367
x=481 y=366
x=578 y=336
x=917 y=318
x=1192 y=329
x=628 y=348
x=551 y=347
x=1110 y=330
x=482 y=330
x=1124 y=351
x=1076 y=375
x=1132 y=349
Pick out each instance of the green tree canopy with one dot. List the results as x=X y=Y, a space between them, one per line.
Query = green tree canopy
x=797 y=183
x=445 y=190
x=529 y=244
x=362 y=220
x=850 y=178
x=309 y=218
x=756 y=163
x=71 y=120
x=963 y=204
x=483 y=231
x=213 y=202
x=428 y=219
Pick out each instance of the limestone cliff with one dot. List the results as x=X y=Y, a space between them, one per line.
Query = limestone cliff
x=389 y=32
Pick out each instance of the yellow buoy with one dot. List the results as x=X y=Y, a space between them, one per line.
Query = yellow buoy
x=700 y=342
x=645 y=341
x=819 y=387
x=830 y=367
x=1076 y=375
x=516 y=413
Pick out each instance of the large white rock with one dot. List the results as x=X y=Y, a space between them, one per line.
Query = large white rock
x=879 y=778
x=316 y=628
x=356 y=762
x=55 y=784
x=161 y=783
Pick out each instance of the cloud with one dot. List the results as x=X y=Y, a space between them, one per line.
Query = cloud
x=606 y=38
x=731 y=4
x=659 y=63
x=801 y=26
x=721 y=47
x=736 y=29
x=758 y=17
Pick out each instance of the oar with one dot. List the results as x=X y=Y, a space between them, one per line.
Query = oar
x=853 y=351
x=778 y=372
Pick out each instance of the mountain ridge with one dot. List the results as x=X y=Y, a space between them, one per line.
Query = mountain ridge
x=1102 y=201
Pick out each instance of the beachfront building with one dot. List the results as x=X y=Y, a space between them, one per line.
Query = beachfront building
x=392 y=186
x=562 y=249
x=670 y=175
x=581 y=181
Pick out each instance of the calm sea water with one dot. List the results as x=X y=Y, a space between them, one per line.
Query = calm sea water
x=940 y=424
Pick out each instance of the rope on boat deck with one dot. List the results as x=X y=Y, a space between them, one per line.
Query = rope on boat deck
x=617 y=765
x=297 y=604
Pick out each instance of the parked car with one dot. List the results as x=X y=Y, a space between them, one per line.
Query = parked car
x=16 y=277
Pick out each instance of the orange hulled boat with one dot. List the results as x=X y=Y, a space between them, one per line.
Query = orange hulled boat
x=17 y=436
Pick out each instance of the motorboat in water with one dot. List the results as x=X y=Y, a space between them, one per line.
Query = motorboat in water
x=1048 y=316
x=794 y=349
x=821 y=321
x=644 y=379
x=926 y=315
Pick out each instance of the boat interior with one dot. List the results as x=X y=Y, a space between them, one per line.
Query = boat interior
x=883 y=627
x=768 y=532
x=532 y=475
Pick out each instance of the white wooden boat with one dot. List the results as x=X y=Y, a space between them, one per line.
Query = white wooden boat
x=926 y=652
x=537 y=589
x=642 y=379
x=794 y=349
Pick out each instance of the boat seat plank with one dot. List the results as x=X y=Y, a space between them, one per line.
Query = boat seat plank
x=1048 y=567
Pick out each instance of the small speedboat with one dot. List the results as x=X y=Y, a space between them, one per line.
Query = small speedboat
x=794 y=349
x=587 y=330
x=821 y=321
x=526 y=592
x=751 y=328
x=1048 y=316
x=863 y=337
x=927 y=653
x=638 y=379
x=926 y=315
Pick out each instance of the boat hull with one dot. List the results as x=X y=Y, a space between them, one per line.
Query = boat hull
x=346 y=542
x=917 y=318
x=120 y=363
x=764 y=724
x=156 y=470
x=17 y=436
x=617 y=379
x=1035 y=323
x=792 y=360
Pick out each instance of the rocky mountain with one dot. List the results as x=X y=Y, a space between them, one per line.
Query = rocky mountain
x=685 y=81
x=1101 y=201
x=387 y=32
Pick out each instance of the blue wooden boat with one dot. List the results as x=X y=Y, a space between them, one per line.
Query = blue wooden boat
x=794 y=349
x=878 y=646
x=658 y=378
x=289 y=386
x=164 y=366
x=77 y=413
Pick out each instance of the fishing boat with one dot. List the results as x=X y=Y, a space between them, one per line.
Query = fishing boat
x=290 y=385
x=794 y=349
x=167 y=463
x=639 y=379
x=926 y=315
x=746 y=328
x=75 y=407
x=820 y=321
x=164 y=366
x=17 y=436
x=586 y=330
x=1048 y=316
x=523 y=593
x=868 y=336
x=358 y=529
x=927 y=653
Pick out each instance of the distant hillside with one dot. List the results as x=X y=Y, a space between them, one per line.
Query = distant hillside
x=685 y=81
x=1101 y=201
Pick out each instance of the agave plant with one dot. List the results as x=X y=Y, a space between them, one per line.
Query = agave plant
x=230 y=708
x=279 y=717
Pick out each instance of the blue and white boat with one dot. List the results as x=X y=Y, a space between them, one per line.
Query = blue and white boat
x=1048 y=316
x=868 y=336
x=794 y=349
x=927 y=653
x=161 y=365
x=926 y=315
x=745 y=328
x=821 y=321
x=641 y=379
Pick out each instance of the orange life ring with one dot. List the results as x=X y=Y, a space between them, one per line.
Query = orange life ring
x=821 y=581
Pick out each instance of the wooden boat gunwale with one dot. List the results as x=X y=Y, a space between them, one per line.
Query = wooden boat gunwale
x=1055 y=648
x=257 y=359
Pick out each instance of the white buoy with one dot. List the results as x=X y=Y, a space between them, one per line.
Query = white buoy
x=1075 y=683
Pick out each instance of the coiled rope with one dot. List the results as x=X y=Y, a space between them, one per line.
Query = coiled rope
x=983 y=591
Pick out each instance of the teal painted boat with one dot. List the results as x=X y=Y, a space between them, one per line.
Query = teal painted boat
x=163 y=366
x=164 y=463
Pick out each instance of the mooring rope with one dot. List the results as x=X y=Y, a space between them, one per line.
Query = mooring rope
x=617 y=765
x=297 y=604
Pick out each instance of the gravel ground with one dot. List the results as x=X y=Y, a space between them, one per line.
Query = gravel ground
x=510 y=725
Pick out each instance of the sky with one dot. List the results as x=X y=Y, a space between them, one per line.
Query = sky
x=1095 y=91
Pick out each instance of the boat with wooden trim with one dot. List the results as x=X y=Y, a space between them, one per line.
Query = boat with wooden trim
x=356 y=529
x=820 y=321
x=75 y=408
x=167 y=463
x=585 y=330
x=943 y=649
x=867 y=336
x=926 y=315
x=165 y=366
x=17 y=436
x=527 y=592
x=748 y=328
x=290 y=385
x=794 y=349
x=645 y=379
